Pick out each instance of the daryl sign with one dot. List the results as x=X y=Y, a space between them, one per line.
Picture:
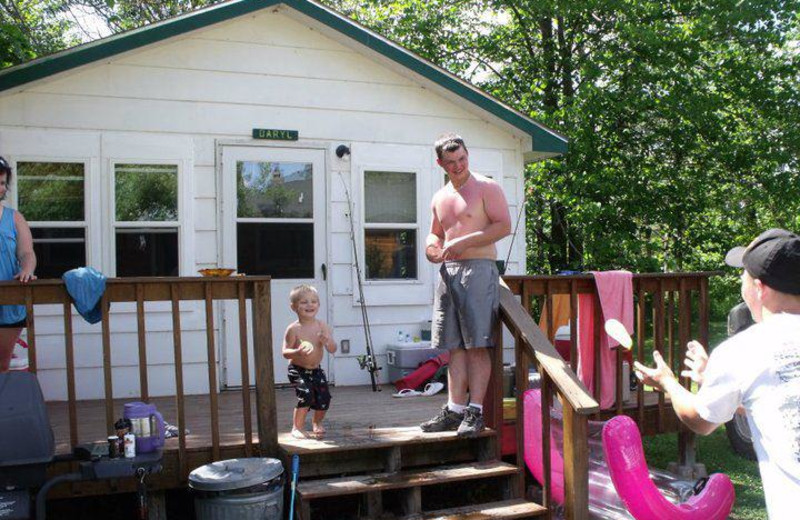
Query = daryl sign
x=275 y=135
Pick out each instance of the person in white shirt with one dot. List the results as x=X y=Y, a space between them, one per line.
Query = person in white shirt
x=758 y=369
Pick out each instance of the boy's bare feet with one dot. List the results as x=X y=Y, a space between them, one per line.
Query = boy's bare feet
x=319 y=430
x=299 y=434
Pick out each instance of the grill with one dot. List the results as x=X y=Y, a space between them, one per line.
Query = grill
x=27 y=447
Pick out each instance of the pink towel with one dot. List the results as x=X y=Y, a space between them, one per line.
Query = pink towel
x=615 y=289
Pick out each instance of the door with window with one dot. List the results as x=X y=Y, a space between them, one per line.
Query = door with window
x=273 y=223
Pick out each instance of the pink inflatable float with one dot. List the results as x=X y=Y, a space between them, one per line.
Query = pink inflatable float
x=622 y=446
x=623 y=487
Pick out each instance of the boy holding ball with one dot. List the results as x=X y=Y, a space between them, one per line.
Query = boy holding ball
x=303 y=345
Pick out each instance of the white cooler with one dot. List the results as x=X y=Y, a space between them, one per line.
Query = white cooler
x=404 y=358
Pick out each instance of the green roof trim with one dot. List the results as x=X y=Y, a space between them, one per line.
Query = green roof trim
x=545 y=141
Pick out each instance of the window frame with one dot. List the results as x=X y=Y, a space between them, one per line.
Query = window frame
x=88 y=196
x=275 y=220
x=364 y=225
x=179 y=224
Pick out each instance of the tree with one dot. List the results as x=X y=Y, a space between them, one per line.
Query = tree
x=121 y=15
x=29 y=29
x=681 y=114
x=681 y=117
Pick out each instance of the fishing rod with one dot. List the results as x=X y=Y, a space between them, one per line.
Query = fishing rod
x=513 y=237
x=368 y=361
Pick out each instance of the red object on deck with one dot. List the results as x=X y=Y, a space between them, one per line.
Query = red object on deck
x=508 y=443
x=423 y=374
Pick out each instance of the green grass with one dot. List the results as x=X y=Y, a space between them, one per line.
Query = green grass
x=715 y=452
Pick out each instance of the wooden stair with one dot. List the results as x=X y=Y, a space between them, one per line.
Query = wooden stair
x=402 y=473
x=516 y=508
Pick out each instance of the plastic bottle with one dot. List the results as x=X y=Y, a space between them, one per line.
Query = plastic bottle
x=401 y=338
x=130 y=445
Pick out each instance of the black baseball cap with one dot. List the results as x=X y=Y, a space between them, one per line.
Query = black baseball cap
x=773 y=257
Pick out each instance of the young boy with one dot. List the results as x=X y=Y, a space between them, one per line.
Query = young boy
x=302 y=346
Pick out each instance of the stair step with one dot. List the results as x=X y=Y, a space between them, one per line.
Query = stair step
x=314 y=489
x=516 y=508
x=351 y=439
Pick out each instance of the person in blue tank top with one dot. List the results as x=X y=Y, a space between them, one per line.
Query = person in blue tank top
x=17 y=262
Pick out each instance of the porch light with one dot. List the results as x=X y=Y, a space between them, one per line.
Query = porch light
x=342 y=150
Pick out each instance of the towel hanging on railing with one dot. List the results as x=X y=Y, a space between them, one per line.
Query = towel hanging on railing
x=86 y=286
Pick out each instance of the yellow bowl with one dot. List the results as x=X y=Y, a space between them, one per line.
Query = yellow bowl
x=217 y=272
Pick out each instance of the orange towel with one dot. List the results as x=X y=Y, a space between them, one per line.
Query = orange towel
x=561 y=313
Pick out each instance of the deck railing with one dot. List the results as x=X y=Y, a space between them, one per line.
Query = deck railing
x=664 y=313
x=256 y=289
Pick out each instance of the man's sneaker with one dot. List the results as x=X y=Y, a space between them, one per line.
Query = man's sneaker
x=446 y=421
x=472 y=424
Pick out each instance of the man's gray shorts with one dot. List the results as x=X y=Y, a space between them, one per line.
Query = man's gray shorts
x=466 y=303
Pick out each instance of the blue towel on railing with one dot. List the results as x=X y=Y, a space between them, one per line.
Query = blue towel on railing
x=86 y=286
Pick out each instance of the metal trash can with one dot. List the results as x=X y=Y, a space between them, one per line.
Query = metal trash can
x=241 y=489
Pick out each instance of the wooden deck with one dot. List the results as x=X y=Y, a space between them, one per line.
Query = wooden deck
x=352 y=408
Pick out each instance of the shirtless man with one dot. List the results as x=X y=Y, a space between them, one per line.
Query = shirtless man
x=470 y=214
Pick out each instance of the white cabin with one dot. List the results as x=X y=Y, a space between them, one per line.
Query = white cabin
x=209 y=140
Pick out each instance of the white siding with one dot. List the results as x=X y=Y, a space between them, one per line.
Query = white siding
x=178 y=100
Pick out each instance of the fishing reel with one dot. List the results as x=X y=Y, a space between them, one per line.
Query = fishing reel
x=367 y=363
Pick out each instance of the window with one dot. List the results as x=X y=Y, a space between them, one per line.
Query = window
x=146 y=219
x=275 y=218
x=390 y=225
x=51 y=196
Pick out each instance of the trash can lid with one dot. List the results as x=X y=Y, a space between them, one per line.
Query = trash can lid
x=231 y=474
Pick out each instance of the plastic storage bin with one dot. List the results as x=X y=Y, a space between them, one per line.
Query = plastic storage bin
x=404 y=358
x=240 y=489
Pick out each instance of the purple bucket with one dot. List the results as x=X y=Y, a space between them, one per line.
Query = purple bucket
x=146 y=424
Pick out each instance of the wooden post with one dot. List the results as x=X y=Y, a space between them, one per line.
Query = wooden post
x=107 y=381
x=493 y=402
x=30 y=324
x=576 y=464
x=179 y=397
x=157 y=505
x=373 y=504
x=394 y=460
x=640 y=335
x=265 y=377
x=246 y=408
x=411 y=501
x=521 y=379
x=548 y=298
x=573 y=325
x=522 y=367
x=547 y=461
x=687 y=450
x=704 y=313
x=212 y=371
x=658 y=345
x=141 y=331
x=70 y=359
x=597 y=379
